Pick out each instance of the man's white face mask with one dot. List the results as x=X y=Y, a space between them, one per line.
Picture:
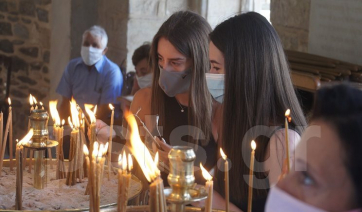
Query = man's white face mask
x=91 y=55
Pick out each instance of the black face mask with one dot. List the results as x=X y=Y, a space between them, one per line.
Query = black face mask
x=174 y=82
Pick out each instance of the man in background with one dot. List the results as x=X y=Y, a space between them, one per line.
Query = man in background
x=91 y=78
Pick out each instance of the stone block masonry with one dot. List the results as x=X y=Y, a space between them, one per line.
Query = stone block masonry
x=25 y=37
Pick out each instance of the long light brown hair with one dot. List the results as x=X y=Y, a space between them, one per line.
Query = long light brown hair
x=188 y=33
x=258 y=91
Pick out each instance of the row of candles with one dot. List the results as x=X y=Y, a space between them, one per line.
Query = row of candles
x=95 y=163
x=151 y=172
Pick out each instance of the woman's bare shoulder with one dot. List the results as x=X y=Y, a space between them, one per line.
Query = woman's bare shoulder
x=142 y=99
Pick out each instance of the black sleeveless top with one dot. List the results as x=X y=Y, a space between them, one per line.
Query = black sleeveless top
x=176 y=133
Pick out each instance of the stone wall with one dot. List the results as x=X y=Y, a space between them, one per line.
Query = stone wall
x=291 y=20
x=25 y=37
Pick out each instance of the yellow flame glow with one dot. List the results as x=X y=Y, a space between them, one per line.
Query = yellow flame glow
x=205 y=173
x=95 y=110
x=100 y=151
x=124 y=161
x=287 y=112
x=26 y=138
x=34 y=100
x=95 y=149
x=120 y=159
x=111 y=107
x=70 y=122
x=90 y=113
x=253 y=145
x=9 y=101
x=31 y=100
x=54 y=112
x=223 y=154
x=130 y=162
x=85 y=150
x=140 y=151
x=75 y=114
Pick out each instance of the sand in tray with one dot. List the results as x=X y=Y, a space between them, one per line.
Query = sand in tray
x=56 y=195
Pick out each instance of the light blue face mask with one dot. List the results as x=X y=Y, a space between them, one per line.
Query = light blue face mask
x=215 y=84
x=174 y=82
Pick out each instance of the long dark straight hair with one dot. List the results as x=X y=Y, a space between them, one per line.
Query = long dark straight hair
x=258 y=91
x=188 y=33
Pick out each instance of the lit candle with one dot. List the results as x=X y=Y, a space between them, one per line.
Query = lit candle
x=41 y=105
x=19 y=169
x=252 y=158
x=208 y=187
x=287 y=119
x=226 y=178
x=110 y=142
x=35 y=103
x=6 y=132
x=10 y=135
x=88 y=189
x=61 y=152
x=56 y=127
x=149 y=167
x=92 y=126
x=124 y=180
x=19 y=175
x=94 y=172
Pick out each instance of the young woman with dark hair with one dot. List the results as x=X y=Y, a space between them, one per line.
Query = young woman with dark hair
x=179 y=95
x=258 y=91
x=328 y=173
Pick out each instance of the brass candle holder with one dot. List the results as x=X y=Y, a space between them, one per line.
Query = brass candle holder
x=39 y=144
x=181 y=179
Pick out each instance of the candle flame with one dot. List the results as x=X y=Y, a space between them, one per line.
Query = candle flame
x=124 y=161
x=9 y=101
x=130 y=163
x=85 y=150
x=140 y=151
x=26 y=138
x=54 y=112
x=34 y=100
x=287 y=113
x=120 y=159
x=74 y=113
x=95 y=149
x=253 y=145
x=111 y=107
x=100 y=151
x=90 y=113
x=105 y=148
x=41 y=104
x=95 y=110
x=70 y=122
x=223 y=154
x=63 y=122
x=31 y=100
x=205 y=173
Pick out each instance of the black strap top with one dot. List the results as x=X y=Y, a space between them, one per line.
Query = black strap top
x=176 y=133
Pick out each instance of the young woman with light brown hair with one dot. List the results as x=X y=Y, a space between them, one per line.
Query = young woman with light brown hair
x=179 y=95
